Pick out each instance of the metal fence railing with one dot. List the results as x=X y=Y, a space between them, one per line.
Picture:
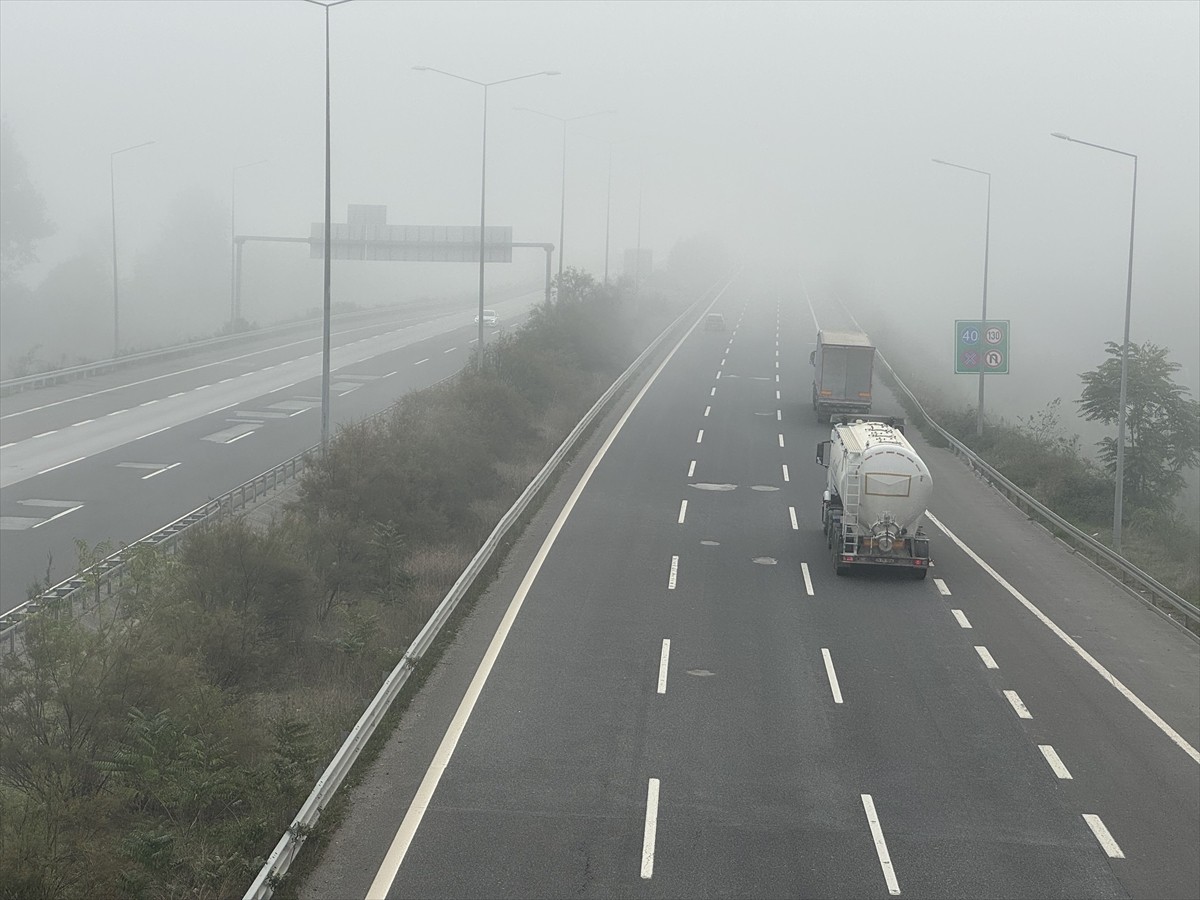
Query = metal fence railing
x=83 y=370
x=289 y=845
x=1178 y=609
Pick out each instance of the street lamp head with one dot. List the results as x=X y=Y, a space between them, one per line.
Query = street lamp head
x=942 y=161
x=552 y=72
x=1060 y=135
x=420 y=68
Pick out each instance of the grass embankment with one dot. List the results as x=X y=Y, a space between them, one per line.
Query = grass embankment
x=1037 y=455
x=162 y=749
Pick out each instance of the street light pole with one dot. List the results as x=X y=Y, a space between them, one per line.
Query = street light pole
x=112 y=187
x=1119 y=496
x=987 y=240
x=233 y=310
x=325 y=342
x=483 y=176
x=562 y=212
x=607 y=214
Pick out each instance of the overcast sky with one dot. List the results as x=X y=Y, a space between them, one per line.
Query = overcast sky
x=800 y=132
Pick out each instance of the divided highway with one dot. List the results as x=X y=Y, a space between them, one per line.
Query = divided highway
x=114 y=457
x=668 y=693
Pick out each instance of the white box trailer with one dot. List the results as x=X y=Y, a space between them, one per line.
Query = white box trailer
x=876 y=491
x=843 y=366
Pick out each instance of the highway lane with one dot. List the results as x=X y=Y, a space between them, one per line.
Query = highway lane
x=113 y=458
x=851 y=741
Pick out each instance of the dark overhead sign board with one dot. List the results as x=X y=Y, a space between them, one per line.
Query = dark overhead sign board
x=412 y=243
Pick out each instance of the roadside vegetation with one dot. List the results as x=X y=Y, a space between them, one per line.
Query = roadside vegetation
x=159 y=747
x=1041 y=455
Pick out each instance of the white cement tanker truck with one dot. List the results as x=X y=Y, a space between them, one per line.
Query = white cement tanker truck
x=876 y=492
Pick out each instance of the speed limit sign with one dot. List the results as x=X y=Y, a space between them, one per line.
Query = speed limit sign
x=981 y=346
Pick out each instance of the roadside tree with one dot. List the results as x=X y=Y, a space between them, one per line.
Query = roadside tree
x=1162 y=423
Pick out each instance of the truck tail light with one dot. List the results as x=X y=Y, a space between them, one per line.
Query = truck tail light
x=847 y=558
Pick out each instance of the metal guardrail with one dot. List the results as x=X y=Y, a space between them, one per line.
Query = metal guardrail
x=54 y=376
x=73 y=593
x=1126 y=572
x=289 y=845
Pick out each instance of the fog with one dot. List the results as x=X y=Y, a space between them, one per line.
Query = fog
x=800 y=134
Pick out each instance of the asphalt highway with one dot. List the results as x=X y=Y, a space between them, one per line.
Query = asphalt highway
x=114 y=457
x=667 y=692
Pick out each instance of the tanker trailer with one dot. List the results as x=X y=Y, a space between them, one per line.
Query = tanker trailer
x=876 y=492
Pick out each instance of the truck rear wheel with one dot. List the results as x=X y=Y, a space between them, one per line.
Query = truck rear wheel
x=919 y=574
x=841 y=570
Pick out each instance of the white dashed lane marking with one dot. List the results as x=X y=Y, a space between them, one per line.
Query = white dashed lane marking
x=881 y=850
x=986 y=657
x=1056 y=764
x=651 y=829
x=1111 y=847
x=1018 y=705
x=833 y=681
x=662 y=665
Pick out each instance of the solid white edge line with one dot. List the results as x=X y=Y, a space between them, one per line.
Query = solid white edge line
x=986 y=656
x=153 y=433
x=234 y=440
x=14 y=443
x=881 y=850
x=833 y=682
x=1111 y=847
x=651 y=829
x=1018 y=705
x=674 y=573
x=941 y=586
x=1129 y=695
x=398 y=849
x=682 y=511
x=662 y=665
x=1056 y=764
x=961 y=618
x=807 y=579
x=792 y=513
